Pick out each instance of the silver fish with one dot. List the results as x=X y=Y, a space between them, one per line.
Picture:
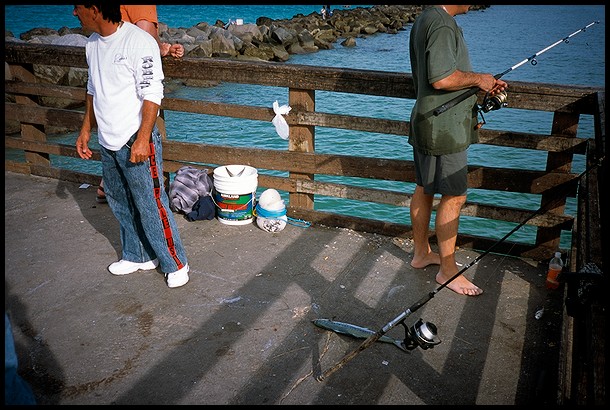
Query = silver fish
x=356 y=331
x=231 y=174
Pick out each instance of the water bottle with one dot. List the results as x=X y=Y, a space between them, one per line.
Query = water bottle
x=555 y=267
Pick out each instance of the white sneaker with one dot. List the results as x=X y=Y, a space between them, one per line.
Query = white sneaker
x=124 y=267
x=178 y=278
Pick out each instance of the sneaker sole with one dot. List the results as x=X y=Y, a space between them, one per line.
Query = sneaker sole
x=150 y=265
x=177 y=285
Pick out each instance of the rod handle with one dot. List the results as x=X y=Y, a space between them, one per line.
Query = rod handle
x=368 y=342
x=442 y=108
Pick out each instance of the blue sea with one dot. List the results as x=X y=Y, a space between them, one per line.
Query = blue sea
x=499 y=37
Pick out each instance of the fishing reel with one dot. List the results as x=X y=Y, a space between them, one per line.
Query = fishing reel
x=491 y=103
x=494 y=103
x=422 y=334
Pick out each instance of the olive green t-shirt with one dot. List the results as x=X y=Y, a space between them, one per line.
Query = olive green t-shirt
x=437 y=49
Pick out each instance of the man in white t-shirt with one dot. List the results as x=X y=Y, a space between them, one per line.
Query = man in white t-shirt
x=124 y=93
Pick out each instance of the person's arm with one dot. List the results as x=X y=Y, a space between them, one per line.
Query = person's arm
x=82 y=142
x=175 y=50
x=149 y=85
x=140 y=149
x=459 y=80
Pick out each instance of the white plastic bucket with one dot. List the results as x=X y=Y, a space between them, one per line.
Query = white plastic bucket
x=239 y=22
x=235 y=193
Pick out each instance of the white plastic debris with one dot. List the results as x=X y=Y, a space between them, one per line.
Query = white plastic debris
x=281 y=126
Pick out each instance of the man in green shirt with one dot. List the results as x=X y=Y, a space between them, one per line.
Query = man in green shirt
x=442 y=71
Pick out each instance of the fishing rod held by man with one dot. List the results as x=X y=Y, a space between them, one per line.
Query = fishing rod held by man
x=451 y=103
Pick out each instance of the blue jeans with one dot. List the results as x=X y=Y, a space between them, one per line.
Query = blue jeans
x=136 y=195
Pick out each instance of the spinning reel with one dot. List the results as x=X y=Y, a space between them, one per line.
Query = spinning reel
x=491 y=103
x=494 y=103
x=422 y=334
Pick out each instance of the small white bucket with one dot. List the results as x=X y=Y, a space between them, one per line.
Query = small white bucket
x=270 y=211
x=239 y=22
x=235 y=193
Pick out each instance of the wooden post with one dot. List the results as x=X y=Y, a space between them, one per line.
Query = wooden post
x=565 y=125
x=30 y=132
x=302 y=139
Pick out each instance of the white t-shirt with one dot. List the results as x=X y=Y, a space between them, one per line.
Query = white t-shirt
x=124 y=70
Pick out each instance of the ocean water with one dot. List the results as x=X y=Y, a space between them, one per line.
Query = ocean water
x=21 y=18
x=498 y=38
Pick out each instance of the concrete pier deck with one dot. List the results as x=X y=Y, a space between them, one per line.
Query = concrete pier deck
x=240 y=331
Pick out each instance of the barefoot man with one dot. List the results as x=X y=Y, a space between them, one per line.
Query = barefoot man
x=441 y=71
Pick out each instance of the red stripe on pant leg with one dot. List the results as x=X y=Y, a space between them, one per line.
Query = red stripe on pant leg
x=167 y=231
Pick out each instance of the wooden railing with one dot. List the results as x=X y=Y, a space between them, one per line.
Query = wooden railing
x=301 y=161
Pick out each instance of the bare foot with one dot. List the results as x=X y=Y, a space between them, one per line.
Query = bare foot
x=460 y=285
x=431 y=258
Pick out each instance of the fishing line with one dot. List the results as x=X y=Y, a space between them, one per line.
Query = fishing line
x=414 y=338
x=500 y=262
x=444 y=107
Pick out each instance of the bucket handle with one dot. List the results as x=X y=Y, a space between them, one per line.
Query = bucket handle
x=241 y=208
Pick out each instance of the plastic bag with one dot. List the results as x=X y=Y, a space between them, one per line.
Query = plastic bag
x=281 y=126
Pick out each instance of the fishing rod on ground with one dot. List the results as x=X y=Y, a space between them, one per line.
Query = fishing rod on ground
x=421 y=334
x=500 y=100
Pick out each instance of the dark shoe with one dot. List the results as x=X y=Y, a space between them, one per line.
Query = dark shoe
x=101 y=195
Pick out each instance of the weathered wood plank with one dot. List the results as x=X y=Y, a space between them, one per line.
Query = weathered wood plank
x=522 y=95
x=28 y=53
x=551 y=143
x=34 y=114
x=47 y=90
x=512 y=180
